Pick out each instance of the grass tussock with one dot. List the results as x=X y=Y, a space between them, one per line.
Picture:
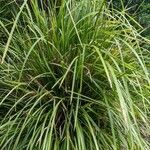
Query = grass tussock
x=75 y=77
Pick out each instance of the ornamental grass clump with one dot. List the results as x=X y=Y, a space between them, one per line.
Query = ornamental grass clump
x=73 y=78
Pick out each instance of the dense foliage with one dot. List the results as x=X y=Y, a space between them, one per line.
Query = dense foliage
x=75 y=76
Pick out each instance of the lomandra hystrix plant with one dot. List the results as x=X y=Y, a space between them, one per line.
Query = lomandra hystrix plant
x=74 y=79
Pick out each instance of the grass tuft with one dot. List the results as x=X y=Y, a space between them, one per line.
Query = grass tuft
x=73 y=76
